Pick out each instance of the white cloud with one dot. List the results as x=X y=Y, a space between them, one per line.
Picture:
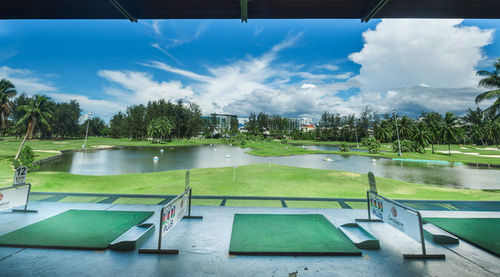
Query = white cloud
x=26 y=80
x=228 y=83
x=156 y=26
x=201 y=29
x=140 y=87
x=257 y=31
x=405 y=52
x=102 y=108
x=330 y=67
x=127 y=88
x=307 y=86
x=416 y=65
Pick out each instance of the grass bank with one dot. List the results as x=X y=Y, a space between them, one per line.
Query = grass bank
x=251 y=180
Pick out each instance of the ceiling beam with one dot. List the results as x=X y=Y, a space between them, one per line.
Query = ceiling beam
x=374 y=11
x=122 y=10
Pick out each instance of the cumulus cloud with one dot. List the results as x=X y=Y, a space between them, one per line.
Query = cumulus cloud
x=403 y=52
x=227 y=83
x=26 y=80
x=417 y=64
x=100 y=107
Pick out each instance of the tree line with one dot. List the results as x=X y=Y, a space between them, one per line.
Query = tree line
x=158 y=120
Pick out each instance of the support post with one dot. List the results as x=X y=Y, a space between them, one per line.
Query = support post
x=368 y=209
x=25 y=210
x=244 y=10
x=160 y=229
x=373 y=11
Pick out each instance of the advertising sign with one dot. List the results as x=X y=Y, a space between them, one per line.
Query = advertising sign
x=20 y=175
x=371 y=181
x=396 y=216
x=13 y=197
x=174 y=212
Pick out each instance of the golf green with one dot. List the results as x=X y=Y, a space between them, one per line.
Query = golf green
x=77 y=229
x=290 y=235
x=482 y=232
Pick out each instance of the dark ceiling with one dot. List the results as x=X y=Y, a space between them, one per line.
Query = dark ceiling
x=230 y=9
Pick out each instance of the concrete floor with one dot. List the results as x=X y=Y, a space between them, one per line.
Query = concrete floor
x=204 y=245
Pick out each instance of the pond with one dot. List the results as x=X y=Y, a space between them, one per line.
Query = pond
x=126 y=160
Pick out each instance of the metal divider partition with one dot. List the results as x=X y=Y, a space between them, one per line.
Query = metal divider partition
x=371 y=209
x=169 y=218
x=13 y=206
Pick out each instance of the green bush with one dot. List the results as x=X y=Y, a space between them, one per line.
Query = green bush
x=284 y=141
x=367 y=141
x=243 y=142
x=406 y=146
x=374 y=147
x=344 y=147
x=26 y=158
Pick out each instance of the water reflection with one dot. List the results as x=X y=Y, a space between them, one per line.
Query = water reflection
x=140 y=159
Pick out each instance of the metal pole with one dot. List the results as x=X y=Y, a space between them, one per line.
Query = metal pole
x=87 y=132
x=368 y=205
x=189 y=207
x=27 y=197
x=356 y=132
x=397 y=132
x=160 y=230
x=421 y=233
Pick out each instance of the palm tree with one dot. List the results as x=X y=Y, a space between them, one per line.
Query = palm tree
x=405 y=127
x=383 y=131
x=7 y=91
x=433 y=121
x=491 y=80
x=450 y=129
x=490 y=130
x=159 y=128
x=36 y=110
x=422 y=135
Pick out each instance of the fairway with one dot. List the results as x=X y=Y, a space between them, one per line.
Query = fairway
x=482 y=232
x=288 y=235
x=75 y=229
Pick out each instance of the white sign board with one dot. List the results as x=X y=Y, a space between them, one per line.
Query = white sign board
x=396 y=216
x=20 y=175
x=13 y=197
x=174 y=212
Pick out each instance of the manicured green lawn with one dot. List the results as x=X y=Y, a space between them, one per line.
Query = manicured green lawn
x=252 y=180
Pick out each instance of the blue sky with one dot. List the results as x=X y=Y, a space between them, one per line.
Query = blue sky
x=286 y=67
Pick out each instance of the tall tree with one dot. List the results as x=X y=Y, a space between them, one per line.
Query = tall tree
x=405 y=127
x=36 y=110
x=433 y=121
x=421 y=135
x=7 y=91
x=491 y=81
x=450 y=129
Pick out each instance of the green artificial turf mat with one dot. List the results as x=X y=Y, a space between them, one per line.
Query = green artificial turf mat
x=357 y=205
x=291 y=235
x=482 y=232
x=206 y=202
x=38 y=197
x=78 y=229
x=313 y=204
x=82 y=199
x=253 y=203
x=136 y=200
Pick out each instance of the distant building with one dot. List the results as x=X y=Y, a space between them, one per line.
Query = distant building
x=299 y=123
x=307 y=128
x=221 y=121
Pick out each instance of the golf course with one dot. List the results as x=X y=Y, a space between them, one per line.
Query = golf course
x=260 y=179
